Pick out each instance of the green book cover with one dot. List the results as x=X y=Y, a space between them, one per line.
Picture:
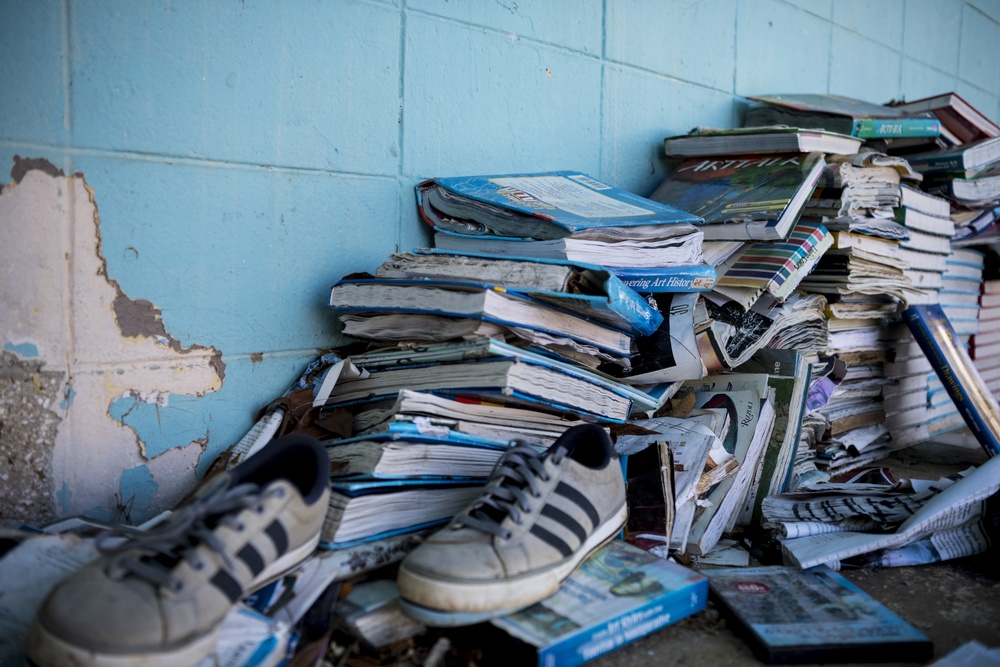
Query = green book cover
x=755 y=197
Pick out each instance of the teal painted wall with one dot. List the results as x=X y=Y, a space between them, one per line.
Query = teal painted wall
x=243 y=155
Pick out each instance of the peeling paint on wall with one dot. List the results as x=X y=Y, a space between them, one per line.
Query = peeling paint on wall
x=93 y=349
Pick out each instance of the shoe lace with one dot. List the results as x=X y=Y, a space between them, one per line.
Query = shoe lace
x=517 y=480
x=152 y=554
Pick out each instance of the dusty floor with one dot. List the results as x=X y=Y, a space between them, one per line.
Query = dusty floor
x=951 y=603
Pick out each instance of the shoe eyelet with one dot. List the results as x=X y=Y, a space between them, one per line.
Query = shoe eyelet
x=279 y=492
x=508 y=535
x=259 y=509
x=198 y=566
x=547 y=478
x=240 y=527
x=177 y=585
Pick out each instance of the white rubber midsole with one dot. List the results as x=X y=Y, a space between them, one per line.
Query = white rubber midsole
x=515 y=592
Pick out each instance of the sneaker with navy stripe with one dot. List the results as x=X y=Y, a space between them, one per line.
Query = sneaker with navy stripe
x=158 y=597
x=538 y=518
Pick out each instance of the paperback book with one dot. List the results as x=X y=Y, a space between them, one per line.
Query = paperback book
x=789 y=616
x=744 y=198
x=775 y=267
x=409 y=453
x=658 y=246
x=588 y=290
x=496 y=304
x=619 y=594
x=547 y=205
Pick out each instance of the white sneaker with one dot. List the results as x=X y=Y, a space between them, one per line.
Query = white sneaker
x=538 y=518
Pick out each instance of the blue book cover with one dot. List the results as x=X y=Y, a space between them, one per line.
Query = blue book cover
x=950 y=360
x=788 y=615
x=619 y=594
x=545 y=205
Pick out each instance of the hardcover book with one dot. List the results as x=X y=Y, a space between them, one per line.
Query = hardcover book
x=744 y=198
x=789 y=616
x=548 y=205
x=749 y=140
x=959 y=117
x=845 y=115
x=619 y=594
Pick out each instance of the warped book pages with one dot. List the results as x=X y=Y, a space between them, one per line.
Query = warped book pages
x=836 y=113
x=958 y=507
x=791 y=616
x=588 y=290
x=699 y=461
x=657 y=246
x=789 y=375
x=484 y=368
x=541 y=206
x=429 y=414
x=751 y=415
x=671 y=354
x=411 y=454
x=476 y=301
x=364 y=510
x=744 y=198
x=619 y=594
x=774 y=139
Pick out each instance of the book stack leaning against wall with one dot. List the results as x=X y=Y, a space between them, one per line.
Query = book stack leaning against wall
x=750 y=186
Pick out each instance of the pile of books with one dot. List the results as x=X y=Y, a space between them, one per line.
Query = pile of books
x=783 y=312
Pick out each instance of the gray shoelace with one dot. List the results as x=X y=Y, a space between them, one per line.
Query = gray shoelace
x=152 y=554
x=517 y=480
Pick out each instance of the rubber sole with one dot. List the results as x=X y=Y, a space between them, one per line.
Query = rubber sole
x=486 y=599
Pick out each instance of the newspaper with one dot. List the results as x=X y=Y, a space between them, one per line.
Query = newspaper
x=954 y=506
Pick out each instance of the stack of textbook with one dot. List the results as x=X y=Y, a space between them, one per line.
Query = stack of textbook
x=465 y=354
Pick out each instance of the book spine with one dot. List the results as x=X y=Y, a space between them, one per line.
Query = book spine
x=940 y=163
x=950 y=360
x=882 y=128
x=694 y=278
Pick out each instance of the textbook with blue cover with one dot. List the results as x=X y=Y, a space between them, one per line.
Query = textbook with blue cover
x=619 y=594
x=547 y=205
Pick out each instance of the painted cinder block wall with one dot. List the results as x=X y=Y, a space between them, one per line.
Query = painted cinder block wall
x=183 y=181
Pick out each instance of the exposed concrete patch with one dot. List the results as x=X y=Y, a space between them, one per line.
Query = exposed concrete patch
x=28 y=427
x=58 y=300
